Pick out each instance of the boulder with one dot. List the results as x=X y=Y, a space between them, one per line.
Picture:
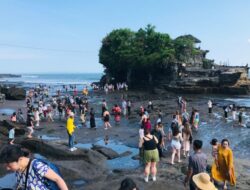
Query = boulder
x=6 y=125
x=59 y=151
x=14 y=93
x=107 y=152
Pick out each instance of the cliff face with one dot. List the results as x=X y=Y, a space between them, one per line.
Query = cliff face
x=219 y=79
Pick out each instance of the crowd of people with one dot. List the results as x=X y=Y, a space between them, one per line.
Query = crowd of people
x=153 y=139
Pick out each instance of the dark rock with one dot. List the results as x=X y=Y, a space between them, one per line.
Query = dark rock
x=107 y=152
x=14 y=93
x=59 y=151
x=126 y=153
x=5 y=126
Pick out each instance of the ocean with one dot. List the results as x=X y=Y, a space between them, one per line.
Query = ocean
x=55 y=80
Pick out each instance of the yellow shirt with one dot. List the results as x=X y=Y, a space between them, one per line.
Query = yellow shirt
x=70 y=125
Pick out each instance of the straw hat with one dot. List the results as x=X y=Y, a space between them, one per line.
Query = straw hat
x=202 y=181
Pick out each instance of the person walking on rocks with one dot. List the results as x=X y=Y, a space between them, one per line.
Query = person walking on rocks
x=106 y=117
x=197 y=164
x=92 y=118
x=151 y=155
x=210 y=106
x=70 y=130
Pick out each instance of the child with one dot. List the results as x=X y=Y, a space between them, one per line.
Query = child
x=11 y=135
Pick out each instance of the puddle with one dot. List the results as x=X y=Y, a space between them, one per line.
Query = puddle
x=6 y=111
x=48 y=138
x=79 y=182
x=7 y=181
x=125 y=162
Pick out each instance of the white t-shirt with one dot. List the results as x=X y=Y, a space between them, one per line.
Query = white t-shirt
x=210 y=104
x=141 y=133
x=12 y=133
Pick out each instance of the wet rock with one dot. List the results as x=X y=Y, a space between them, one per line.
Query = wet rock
x=14 y=93
x=107 y=152
x=136 y=157
x=58 y=151
x=126 y=153
x=6 y=125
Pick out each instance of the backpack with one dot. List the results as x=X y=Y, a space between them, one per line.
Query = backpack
x=50 y=184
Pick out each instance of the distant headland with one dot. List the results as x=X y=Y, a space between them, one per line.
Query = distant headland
x=10 y=76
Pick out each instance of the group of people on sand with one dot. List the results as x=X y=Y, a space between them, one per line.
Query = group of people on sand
x=153 y=140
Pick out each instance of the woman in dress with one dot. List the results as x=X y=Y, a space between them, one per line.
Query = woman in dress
x=223 y=169
x=187 y=134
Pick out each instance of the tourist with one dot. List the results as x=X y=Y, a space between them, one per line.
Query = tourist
x=129 y=107
x=30 y=124
x=187 y=137
x=92 y=118
x=240 y=117
x=128 y=184
x=124 y=107
x=157 y=133
x=234 y=113
x=226 y=110
x=196 y=119
x=150 y=105
x=223 y=170
x=104 y=106
x=163 y=134
x=70 y=130
x=36 y=117
x=117 y=113
x=106 y=117
x=13 y=117
x=141 y=136
x=12 y=135
x=20 y=117
x=147 y=124
x=202 y=182
x=210 y=106
x=176 y=144
x=185 y=117
x=30 y=174
x=151 y=155
x=197 y=164
x=215 y=145
x=183 y=105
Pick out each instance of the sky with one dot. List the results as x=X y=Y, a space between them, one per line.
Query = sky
x=56 y=36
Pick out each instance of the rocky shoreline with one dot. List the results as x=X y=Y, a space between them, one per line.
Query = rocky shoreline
x=90 y=169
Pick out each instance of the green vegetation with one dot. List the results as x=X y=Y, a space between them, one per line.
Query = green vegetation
x=145 y=56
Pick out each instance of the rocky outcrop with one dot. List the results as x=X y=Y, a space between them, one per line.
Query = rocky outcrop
x=5 y=126
x=107 y=152
x=220 y=80
x=61 y=152
x=13 y=93
x=9 y=76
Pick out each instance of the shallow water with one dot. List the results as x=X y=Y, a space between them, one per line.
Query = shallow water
x=48 y=138
x=7 y=111
x=220 y=129
x=125 y=162
x=7 y=181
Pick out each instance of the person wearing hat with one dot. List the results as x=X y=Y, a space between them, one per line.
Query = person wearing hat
x=202 y=182
x=70 y=130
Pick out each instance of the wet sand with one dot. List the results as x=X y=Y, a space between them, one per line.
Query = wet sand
x=127 y=134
